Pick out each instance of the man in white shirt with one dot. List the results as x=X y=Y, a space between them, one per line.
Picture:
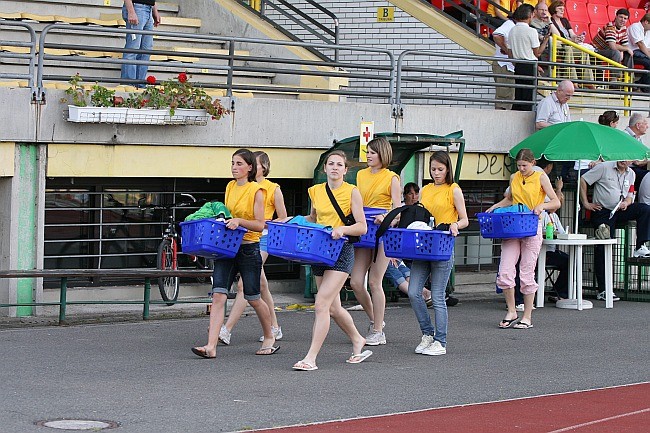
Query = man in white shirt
x=638 y=39
x=555 y=107
x=524 y=44
x=506 y=93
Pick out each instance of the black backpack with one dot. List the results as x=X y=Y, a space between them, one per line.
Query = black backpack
x=409 y=214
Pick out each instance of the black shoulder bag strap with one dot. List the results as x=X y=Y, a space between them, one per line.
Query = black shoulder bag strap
x=385 y=225
x=339 y=211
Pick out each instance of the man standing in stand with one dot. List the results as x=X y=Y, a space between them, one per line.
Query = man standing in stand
x=139 y=15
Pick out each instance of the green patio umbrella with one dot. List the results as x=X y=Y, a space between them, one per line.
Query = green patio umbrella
x=572 y=141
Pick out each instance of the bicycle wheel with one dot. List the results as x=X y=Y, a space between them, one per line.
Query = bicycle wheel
x=168 y=285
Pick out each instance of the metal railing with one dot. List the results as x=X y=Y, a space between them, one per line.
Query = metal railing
x=287 y=71
x=453 y=79
x=31 y=57
x=302 y=18
x=442 y=85
x=64 y=274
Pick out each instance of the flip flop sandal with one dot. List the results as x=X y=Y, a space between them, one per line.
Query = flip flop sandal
x=200 y=351
x=267 y=350
x=507 y=323
x=304 y=366
x=523 y=325
x=359 y=358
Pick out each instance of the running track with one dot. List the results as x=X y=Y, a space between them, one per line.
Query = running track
x=607 y=410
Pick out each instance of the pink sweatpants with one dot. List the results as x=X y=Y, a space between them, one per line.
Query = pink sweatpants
x=524 y=250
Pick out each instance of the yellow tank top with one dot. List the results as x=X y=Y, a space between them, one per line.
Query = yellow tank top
x=240 y=201
x=439 y=200
x=529 y=193
x=375 y=187
x=269 y=203
x=325 y=213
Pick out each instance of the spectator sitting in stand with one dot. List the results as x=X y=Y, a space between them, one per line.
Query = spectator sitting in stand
x=612 y=203
x=555 y=107
x=638 y=38
x=560 y=26
x=611 y=40
x=497 y=15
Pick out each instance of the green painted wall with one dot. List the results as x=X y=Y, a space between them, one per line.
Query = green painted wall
x=409 y=173
x=26 y=187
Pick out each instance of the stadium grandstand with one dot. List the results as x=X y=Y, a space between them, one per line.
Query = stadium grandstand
x=296 y=76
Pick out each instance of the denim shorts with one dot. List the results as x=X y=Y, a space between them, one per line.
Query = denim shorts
x=397 y=275
x=343 y=264
x=264 y=240
x=248 y=263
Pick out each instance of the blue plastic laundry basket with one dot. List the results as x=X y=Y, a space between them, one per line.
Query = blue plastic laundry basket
x=210 y=238
x=303 y=244
x=368 y=240
x=428 y=245
x=507 y=225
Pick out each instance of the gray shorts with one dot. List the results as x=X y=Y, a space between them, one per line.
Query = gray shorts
x=343 y=264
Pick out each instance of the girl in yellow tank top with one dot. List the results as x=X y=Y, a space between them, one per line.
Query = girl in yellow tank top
x=444 y=200
x=245 y=200
x=330 y=279
x=273 y=204
x=380 y=188
x=528 y=187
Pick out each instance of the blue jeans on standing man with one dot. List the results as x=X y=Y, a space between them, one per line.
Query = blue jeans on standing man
x=439 y=271
x=137 y=41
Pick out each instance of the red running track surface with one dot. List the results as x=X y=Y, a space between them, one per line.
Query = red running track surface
x=618 y=409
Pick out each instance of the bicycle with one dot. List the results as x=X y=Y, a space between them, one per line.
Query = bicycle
x=168 y=252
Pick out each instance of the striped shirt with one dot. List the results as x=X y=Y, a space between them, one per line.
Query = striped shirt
x=610 y=33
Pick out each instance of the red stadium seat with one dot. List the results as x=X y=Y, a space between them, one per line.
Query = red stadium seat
x=579 y=27
x=618 y=4
x=593 y=30
x=611 y=12
x=636 y=15
x=576 y=10
x=597 y=13
x=635 y=4
x=599 y=2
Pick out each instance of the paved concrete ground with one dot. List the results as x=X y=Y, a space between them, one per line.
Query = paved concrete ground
x=143 y=375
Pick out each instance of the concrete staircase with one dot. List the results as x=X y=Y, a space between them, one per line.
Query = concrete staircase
x=87 y=14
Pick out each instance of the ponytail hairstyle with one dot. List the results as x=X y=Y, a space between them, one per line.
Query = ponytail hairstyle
x=265 y=162
x=249 y=158
x=608 y=117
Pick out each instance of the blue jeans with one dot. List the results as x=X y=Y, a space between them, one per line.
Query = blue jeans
x=141 y=42
x=397 y=275
x=439 y=271
x=248 y=262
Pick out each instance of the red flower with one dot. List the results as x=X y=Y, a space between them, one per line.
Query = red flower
x=144 y=102
x=151 y=79
x=182 y=77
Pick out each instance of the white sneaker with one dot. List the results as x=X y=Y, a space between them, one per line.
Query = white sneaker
x=277 y=333
x=371 y=326
x=602 y=296
x=427 y=340
x=224 y=335
x=520 y=307
x=435 y=349
x=642 y=252
x=375 y=338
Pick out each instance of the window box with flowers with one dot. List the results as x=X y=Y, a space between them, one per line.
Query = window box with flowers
x=172 y=102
